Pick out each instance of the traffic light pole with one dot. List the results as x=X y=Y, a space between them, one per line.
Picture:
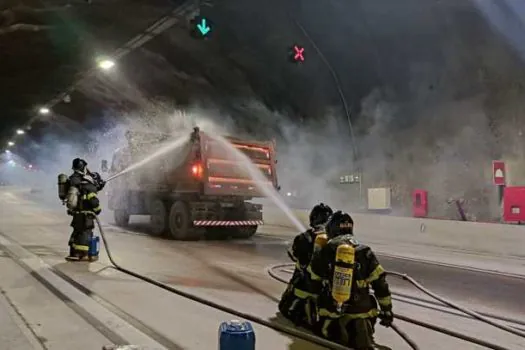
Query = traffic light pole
x=356 y=160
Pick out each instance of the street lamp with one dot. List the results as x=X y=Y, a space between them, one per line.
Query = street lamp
x=20 y=132
x=106 y=64
x=10 y=143
x=44 y=111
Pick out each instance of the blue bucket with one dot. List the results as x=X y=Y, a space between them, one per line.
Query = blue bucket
x=236 y=335
x=94 y=245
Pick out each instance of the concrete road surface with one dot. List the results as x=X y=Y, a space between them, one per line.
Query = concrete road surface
x=90 y=305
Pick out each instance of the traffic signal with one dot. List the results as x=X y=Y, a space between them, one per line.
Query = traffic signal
x=200 y=27
x=296 y=54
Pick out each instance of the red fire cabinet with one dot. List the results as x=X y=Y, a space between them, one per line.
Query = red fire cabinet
x=419 y=203
x=514 y=204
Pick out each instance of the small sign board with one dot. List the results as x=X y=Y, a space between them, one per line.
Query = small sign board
x=349 y=179
x=498 y=173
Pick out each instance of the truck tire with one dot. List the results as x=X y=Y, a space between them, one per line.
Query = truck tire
x=158 y=217
x=180 y=224
x=245 y=232
x=121 y=217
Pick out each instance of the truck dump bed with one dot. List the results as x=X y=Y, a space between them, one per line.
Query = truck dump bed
x=205 y=164
x=241 y=169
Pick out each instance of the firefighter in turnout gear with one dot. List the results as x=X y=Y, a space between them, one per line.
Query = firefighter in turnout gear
x=81 y=199
x=346 y=270
x=298 y=301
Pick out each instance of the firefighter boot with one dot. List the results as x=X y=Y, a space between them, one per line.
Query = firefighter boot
x=93 y=258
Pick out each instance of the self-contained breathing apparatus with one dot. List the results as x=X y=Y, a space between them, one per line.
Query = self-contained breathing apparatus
x=343 y=266
x=69 y=195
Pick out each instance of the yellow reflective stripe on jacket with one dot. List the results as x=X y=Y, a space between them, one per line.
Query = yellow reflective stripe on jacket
x=302 y=294
x=313 y=275
x=97 y=209
x=327 y=313
x=386 y=301
x=90 y=195
x=81 y=247
x=361 y=283
x=378 y=271
x=372 y=313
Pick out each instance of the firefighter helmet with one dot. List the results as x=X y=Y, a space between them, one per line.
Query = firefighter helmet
x=340 y=223
x=79 y=164
x=320 y=214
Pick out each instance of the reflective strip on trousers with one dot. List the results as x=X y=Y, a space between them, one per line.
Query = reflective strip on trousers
x=345 y=318
x=386 y=301
x=82 y=248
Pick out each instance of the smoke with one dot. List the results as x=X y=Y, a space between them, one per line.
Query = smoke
x=436 y=95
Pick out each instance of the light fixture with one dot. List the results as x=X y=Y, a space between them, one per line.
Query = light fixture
x=20 y=132
x=10 y=143
x=44 y=110
x=7 y=151
x=106 y=64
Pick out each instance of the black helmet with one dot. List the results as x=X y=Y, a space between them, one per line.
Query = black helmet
x=340 y=224
x=79 y=164
x=320 y=214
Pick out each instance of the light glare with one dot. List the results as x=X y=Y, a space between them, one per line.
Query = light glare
x=106 y=64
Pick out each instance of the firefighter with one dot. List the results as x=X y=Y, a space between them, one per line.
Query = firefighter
x=82 y=199
x=298 y=302
x=346 y=270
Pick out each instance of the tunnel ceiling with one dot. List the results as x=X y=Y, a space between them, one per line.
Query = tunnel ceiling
x=402 y=48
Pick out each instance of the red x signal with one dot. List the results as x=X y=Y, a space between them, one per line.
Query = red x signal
x=298 y=53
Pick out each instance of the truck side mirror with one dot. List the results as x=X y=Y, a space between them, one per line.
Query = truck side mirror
x=104 y=166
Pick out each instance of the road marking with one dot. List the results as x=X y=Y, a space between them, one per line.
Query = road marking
x=94 y=313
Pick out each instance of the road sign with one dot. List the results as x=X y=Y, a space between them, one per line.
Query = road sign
x=349 y=179
x=498 y=173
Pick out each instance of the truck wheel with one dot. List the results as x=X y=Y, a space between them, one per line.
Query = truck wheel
x=158 y=217
x=121 y=217
x=245 y=232
x=180 y=225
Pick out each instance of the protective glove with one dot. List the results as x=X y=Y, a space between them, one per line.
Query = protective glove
x=101 y=184
x=386 y=317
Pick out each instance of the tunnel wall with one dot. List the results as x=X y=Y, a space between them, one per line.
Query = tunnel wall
x=468 y=237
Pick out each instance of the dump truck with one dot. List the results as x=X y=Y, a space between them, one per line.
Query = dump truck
x=200 y=187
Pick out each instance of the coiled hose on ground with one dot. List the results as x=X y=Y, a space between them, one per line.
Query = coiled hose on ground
x=427 y=325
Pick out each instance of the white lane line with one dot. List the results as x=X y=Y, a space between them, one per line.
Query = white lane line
x=97 y=311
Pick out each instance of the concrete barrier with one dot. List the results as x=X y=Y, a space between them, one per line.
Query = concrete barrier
x=492 y=239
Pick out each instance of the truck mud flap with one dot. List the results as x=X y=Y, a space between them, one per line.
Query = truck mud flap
x=227 y=223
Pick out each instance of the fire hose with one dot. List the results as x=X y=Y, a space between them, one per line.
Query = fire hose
x=275 y=326
x=427 y=325
x=303 y=335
